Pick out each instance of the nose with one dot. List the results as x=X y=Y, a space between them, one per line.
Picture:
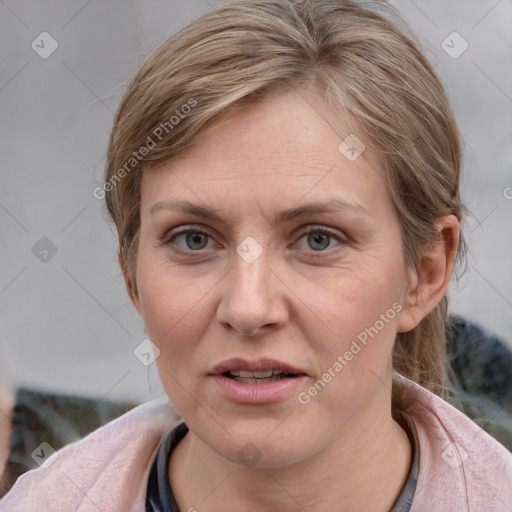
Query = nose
x=253 y=298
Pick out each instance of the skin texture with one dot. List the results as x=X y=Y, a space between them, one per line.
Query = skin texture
x=302 y=301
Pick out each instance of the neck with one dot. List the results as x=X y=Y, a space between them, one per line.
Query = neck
x=364 y=469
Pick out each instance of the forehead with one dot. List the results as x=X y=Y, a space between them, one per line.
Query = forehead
x=282 y=148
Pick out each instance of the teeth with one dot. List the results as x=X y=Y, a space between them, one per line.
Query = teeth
x=263 y=375
x=256 y=381
x=255 y=375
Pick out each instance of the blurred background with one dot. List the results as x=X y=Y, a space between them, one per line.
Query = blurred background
x=67 y=325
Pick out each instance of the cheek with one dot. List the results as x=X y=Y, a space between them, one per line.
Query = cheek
x=173 y=306
x=342 y=308
x=351 y=328
x=354 y=365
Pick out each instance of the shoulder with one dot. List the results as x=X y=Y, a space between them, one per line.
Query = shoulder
x=107 y=469
x=461 y=466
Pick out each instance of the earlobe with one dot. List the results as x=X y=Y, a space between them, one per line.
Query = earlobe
x=407 y=319
x=429 y=283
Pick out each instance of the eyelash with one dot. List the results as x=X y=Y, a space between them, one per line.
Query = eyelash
x=310 y=230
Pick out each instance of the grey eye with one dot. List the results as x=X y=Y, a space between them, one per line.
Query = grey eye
x=196 y=240
x=318 y=240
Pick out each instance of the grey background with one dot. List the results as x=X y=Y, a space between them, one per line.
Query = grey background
x=66 y=323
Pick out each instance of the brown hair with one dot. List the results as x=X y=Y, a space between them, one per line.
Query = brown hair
x=358 y=63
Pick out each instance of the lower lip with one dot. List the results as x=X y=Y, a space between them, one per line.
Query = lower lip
x=265 y=393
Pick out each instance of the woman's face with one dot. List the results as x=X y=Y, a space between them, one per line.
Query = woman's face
x=250 y=289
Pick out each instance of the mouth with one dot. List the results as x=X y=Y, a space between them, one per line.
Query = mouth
x=258 y=371
x=246 y=377
x=257 y=382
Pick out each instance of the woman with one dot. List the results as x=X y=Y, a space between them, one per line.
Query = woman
x=284 y=179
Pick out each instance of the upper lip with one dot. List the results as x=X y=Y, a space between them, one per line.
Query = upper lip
x=259 y=365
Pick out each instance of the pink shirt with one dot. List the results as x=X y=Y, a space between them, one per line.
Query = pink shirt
x=461 y=467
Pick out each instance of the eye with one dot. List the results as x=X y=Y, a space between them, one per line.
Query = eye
x=192 y=239
x=319 y=239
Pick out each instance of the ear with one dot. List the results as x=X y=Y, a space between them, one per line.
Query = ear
x=427 y=286
x=130 y=288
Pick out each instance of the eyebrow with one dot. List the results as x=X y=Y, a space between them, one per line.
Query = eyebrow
x=332 y=206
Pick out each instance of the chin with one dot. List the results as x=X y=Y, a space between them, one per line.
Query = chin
x=270 y=456
x=256 y=448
